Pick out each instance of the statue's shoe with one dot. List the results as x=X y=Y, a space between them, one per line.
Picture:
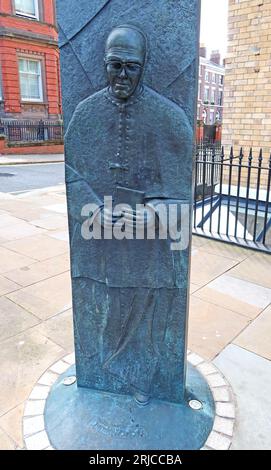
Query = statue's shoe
x=142 y=399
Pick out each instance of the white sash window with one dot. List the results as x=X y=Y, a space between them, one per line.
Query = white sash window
x=30 y=80
x=29 y=8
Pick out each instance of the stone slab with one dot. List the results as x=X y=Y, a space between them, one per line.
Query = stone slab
x=39 y=247
x=59 y=329
x=257 y=337
x=5 y=442
x=10 y=261
x=24 y=358
x=206 y=267
x=250 y=377
x=227 y=250
x=11 y=423
x=241 y=296
x=46 y=298
x=21 y=230
x=255 y=269
x=14 y=319
x=212 y=328
x=37 y=272
x=7 y=286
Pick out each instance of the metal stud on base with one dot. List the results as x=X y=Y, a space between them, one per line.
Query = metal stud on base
x=69 y=380
x=141 y=399
x=195 y=405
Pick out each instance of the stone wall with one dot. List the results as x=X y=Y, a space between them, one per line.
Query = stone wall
x=34 y=148
x=247 y=105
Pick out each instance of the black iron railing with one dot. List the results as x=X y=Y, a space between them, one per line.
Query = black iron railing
x=209 y=174
x=233 y=198
x=32 y=131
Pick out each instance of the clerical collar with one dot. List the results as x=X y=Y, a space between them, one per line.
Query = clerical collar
x=134 y=98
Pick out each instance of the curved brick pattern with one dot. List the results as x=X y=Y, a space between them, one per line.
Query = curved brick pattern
x=36 y=437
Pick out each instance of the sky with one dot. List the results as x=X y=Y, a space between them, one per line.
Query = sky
x=214 y=25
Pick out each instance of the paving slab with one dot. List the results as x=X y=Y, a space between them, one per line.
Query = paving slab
x=14 y=319
x=59 y=329
x=24 y=358
x=197 y=242
x=8 y=221
x=7 y=286
x=20 y=230
x=59 y=208
x=59 y=235
x=250 y=377
x=22 y=210
x=11 y=423
x=257 y=337
x=212 y=328
x=227 y=250
x=255 y=269
x=10 y=261
x=36 y=272
x=6 y=442
x=46 y=298
x=236 y=294
x=193 y=288
x=206 y=267
x=53 y=222
x=39 y=247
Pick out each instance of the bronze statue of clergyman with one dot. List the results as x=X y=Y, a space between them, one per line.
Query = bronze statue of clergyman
x=130 y=295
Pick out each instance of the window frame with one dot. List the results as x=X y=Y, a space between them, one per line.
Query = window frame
x=41 y=83
x=213 y=96
x=37 y=15
x=206 y=90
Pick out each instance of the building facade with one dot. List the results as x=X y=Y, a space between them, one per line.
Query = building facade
x=29 y=61
x=211 y=88
x=247 y=107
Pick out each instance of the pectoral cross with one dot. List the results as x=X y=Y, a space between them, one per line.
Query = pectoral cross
x=118 y=168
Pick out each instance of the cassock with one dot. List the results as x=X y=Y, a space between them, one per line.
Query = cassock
x=129 y=296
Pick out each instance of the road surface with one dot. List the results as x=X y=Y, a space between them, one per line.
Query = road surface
x=19 y=178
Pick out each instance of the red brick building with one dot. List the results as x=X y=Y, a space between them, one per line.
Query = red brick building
x=29 y=60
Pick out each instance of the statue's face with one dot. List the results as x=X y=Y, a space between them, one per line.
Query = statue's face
x=124 y=76
x=125 y=57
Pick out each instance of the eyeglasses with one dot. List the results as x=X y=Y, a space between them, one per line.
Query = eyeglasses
x=117 y=66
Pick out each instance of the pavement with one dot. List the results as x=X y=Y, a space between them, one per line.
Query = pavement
x=30 y=159
x=230 y=313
